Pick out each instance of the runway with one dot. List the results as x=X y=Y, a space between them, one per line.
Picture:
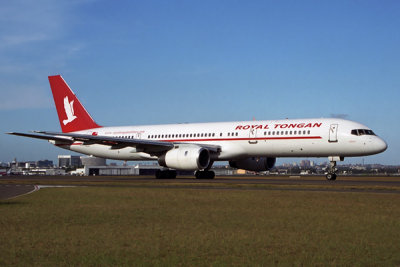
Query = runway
x=13 y=186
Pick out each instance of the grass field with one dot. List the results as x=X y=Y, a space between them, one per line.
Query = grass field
x=114 y=226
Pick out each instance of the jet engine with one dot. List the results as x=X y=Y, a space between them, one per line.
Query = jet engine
x=254 y=164
x=186 y=158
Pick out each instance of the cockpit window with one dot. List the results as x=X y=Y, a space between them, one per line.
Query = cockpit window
x=362 y=132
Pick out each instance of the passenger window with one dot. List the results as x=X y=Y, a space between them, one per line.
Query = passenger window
x=236 y=134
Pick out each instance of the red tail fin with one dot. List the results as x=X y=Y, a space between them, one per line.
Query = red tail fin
x=72 y=115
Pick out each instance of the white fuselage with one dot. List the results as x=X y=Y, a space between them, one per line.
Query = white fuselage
x=243 y=139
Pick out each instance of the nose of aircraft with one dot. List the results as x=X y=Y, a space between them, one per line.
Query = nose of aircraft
x=379 y=145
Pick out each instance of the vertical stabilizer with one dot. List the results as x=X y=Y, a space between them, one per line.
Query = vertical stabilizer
x=71 y=113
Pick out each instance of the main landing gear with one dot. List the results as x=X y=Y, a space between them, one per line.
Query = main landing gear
x=171 y=174
x=165 y=174
x=205 y=174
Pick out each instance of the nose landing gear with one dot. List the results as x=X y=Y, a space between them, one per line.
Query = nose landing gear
x=331 y=175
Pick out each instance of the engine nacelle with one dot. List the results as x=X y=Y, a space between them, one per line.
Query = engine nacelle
x=254 y=164
x=188 y=158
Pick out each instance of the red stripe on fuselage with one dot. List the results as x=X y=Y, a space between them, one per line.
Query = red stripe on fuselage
x=222 y=139
x=243 y=139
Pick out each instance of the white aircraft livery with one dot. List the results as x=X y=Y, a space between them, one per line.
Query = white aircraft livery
x=248 y=145
x=69 y=110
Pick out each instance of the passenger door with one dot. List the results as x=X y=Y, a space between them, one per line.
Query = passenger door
x=333 y=133
x=252 y=136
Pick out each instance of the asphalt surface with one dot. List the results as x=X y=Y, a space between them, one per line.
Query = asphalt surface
x=14 y=186
x=9 y=191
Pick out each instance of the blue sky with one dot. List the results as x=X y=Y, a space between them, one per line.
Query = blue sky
x=149 y=62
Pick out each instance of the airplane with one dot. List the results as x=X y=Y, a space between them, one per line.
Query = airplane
x=248 y=145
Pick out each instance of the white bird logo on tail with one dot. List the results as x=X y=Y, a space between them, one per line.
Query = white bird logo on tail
x=69 y=110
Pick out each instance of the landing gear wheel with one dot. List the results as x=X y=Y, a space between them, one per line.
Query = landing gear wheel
x=159 y=174
x=205 y=175
x=171 y=174
x=331 y=176
x=165 y=174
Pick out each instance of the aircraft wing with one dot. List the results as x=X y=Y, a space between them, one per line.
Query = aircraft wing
x=44 y=137
x=147 y=146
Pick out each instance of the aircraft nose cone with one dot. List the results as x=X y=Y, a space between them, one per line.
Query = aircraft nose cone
x=380 y=145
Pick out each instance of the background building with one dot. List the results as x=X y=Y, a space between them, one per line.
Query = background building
x=44 y=163
x=93 y=161
x=69 y=161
